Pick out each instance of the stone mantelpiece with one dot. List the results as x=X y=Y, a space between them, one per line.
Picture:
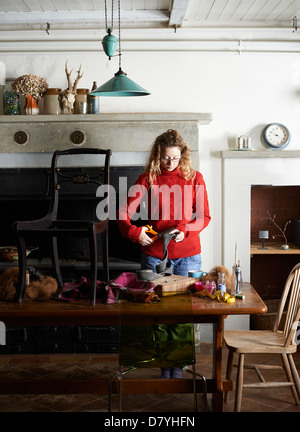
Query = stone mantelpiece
x=119 y=132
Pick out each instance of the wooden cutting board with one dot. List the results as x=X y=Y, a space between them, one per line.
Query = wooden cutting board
x=173 y=284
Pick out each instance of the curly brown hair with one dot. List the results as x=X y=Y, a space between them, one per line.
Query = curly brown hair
x=170 y=138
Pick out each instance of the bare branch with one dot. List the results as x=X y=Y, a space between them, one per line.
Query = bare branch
x=283 y=231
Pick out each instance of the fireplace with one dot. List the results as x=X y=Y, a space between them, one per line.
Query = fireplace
x=129 y=136
x=24 y=189
x=24 y=195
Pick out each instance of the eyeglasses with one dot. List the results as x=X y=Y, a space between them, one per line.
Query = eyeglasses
x=167 y=159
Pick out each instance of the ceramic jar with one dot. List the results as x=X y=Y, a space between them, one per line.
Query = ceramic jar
x=51 y=101
x=81 y=101
x=93 y=101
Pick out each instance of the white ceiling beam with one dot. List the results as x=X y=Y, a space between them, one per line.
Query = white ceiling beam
x=154 y=16
x=178 y=12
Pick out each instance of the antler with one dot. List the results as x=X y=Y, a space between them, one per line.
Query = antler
x=68 y=76
x=69 y=94
x=77 y=80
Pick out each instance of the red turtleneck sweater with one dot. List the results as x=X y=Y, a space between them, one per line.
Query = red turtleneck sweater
x=171 y=202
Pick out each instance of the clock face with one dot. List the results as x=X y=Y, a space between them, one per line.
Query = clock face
x=276 y=136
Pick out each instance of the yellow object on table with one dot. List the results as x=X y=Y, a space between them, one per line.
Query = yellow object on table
x=221 y=296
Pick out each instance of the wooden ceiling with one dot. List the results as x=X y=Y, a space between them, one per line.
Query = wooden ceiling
x=26 y=14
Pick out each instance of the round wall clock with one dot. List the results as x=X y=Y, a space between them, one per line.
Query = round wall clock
x=276 y=136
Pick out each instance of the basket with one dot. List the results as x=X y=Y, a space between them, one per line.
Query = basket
x=266 y=321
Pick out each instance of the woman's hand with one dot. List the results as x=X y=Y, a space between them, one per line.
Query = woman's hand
x=179 y=235
x=144 y=239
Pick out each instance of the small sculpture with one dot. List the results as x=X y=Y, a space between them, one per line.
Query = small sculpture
x=67 y=97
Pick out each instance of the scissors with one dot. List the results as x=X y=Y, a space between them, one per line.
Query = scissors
x=155 y=234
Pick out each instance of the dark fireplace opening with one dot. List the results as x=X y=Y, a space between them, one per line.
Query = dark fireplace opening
x=24 y=195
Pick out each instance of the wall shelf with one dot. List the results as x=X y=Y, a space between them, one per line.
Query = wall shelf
x=260 y=154
x=201 y=118
x=271 y=267
x=273 y=249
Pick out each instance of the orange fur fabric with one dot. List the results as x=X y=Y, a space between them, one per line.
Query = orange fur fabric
x=212 y=275
x=37 y=290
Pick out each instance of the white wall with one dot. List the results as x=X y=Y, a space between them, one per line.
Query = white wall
x=243 y=92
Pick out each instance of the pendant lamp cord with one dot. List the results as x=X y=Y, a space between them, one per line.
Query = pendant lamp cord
x=112 y=15
x=119 y=11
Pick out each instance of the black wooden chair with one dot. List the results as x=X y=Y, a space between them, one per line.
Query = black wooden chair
x=50 y=226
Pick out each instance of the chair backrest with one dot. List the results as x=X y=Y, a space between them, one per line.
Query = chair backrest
x=290 y=296
x=62 y=179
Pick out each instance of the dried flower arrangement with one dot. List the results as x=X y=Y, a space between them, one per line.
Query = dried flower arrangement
x=283 y=231
x=30 y=85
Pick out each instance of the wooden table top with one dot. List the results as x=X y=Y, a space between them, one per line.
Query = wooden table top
x=171 y=309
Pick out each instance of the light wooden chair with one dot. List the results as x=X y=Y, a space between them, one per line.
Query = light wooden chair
x=272 y=341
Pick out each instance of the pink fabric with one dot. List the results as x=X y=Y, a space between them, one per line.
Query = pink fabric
x=82 y=288
x=128 y=281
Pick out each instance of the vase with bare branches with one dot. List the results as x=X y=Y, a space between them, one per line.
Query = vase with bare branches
x=283 y=231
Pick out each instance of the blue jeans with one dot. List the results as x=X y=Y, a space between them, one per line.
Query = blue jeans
x=181 y=266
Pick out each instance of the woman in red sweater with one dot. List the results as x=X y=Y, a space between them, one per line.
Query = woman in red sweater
x=169 y=194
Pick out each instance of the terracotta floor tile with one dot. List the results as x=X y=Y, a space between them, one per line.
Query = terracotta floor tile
x=63 y=403
x=102 y=365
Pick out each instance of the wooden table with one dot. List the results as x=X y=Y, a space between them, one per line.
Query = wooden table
x=170 y=310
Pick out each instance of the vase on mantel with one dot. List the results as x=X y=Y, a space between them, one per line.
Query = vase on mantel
x=31 y=107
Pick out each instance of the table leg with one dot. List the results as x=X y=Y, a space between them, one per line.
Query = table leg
x=217 y=398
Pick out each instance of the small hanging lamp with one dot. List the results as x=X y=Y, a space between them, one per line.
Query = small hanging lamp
x=120 y=84
x=109 y=43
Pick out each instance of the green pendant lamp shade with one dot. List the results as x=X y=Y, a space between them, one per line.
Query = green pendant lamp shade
x=120 y=85
x=109 y=43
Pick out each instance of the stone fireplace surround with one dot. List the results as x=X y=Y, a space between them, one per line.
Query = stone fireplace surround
x=29 y=141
